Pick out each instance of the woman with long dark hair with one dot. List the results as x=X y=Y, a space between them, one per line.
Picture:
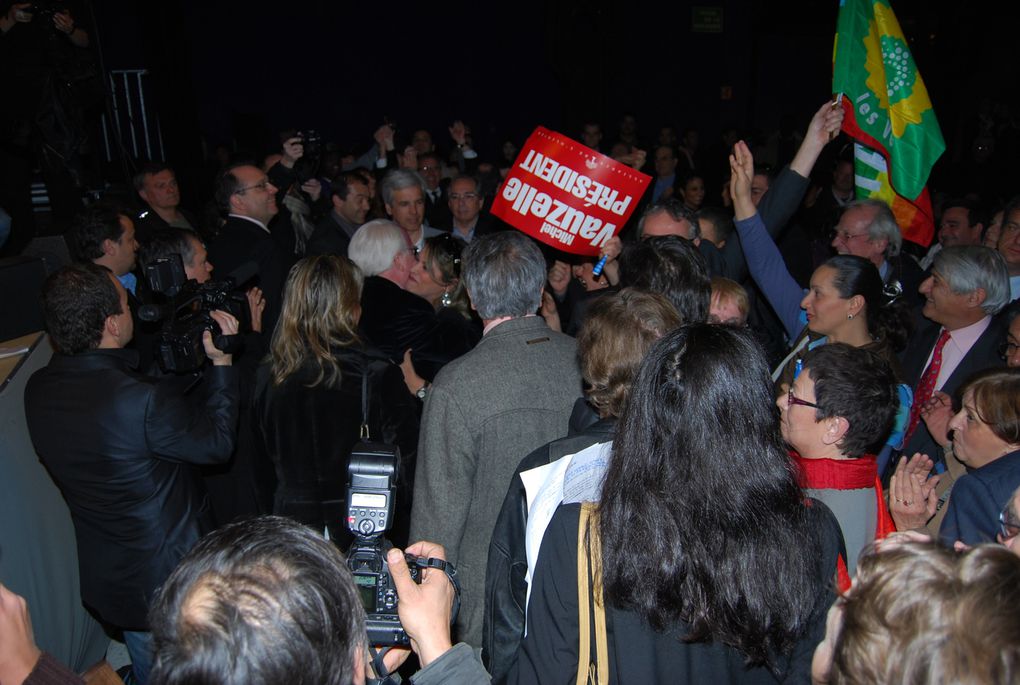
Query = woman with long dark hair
x=714 y=568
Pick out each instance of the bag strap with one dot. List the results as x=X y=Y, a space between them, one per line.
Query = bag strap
x=591 y=606
x=364 y=399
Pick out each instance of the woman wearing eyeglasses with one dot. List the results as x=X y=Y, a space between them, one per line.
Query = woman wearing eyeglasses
x=847 y=301
x=986 y=439
x=835 y=414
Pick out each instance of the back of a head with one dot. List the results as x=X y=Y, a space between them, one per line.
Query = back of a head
x=321 y=305
x=258 y=602
x=77 y=300
x=90 y=227
x=698 y=464
x=672 y=267
x=618 y=331
x=504 y=274
x=921 y=613
x=374 y=246
x=966 y=268
x=167 y=242
x=858 y=385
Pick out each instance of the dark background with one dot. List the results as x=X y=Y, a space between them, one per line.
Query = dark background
x=238 y=73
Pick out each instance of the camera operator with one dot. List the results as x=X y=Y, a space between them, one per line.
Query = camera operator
x=197 y=267
x=267 y=600
x=122 y=447
x=233 y=486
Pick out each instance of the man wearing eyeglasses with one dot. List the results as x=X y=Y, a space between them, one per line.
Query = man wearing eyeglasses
x=466 y=208
x=248 y=199
x=868 y=229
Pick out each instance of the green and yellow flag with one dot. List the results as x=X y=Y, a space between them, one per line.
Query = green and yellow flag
x=888 y=113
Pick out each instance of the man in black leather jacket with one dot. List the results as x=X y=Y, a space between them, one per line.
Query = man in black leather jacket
x=120 y=446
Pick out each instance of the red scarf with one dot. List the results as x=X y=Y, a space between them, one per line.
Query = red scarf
x=846 y=474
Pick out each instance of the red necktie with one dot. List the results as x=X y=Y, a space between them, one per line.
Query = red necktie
x=926 y=386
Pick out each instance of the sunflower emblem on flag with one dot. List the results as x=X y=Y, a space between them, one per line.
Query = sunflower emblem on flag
x=892 y=72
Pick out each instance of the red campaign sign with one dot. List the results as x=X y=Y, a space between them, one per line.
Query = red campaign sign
x=568 y=195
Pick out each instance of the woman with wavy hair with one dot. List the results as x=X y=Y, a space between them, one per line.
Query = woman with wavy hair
x=308 y=397
x=714 y=568
x=921 y=613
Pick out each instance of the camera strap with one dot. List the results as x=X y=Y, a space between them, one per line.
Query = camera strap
x=385 y=677
x=451 y=572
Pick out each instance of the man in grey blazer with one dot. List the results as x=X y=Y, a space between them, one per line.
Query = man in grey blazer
x=488 y=409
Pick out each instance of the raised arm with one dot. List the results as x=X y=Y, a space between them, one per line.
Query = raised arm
x=763 y=257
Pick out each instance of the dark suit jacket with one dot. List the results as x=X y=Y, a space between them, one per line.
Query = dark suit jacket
x=120 y=447
x=240 y=241
x=972 y=514
x=909 y=274
x=984 y=354
x=437 y=213
x=148 y=223
x=395 y=320
x=330 y=237
x=486 y=225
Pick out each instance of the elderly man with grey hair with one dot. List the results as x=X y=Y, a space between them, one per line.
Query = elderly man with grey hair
x=394 y=319
x=488 y=409
x=403 y=194
x=867 y=228
x=958 y=335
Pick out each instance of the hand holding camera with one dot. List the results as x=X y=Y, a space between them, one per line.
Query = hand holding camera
x=228 y=327
x=425 y=604
x=409 y=599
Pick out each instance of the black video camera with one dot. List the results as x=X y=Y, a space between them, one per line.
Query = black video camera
x=371 y=489
x=308 y=165
x=186 y=314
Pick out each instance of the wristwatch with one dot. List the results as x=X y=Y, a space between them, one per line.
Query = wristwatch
x=422 y=391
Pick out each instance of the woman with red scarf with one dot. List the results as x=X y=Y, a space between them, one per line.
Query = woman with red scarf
x=838 y=411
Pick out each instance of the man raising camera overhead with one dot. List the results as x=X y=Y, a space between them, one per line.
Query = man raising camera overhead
x=121 y=446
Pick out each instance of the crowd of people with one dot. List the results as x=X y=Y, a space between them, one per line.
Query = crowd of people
x=770 y=441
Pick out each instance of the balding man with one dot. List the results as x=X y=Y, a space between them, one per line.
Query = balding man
x=245 y=194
